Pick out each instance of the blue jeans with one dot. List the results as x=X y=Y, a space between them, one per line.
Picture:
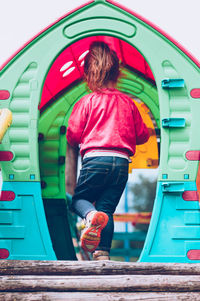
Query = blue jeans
x=100 y=185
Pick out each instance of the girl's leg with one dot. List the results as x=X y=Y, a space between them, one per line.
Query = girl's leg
x=82 y=207
x=89 y=187
x=102 y=180
x=109 y=201
x=91 y=182
x=108 y=205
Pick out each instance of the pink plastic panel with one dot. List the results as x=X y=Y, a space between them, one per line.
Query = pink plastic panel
x=193 y=254
x=193 y=155
x=190 y=195
x=4 y=253
x=6 y=156
x=7 y=195
x=67 y=69
x=62 y=73
x=132 y=57
x=4 y=94
x=195 y=93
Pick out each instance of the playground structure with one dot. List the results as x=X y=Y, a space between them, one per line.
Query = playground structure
x=40 y=86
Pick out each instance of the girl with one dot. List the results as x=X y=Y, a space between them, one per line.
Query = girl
x=107 y=125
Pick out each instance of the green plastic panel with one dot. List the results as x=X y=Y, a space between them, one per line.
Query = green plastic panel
x=135 y=85
x=21 y=139
x=53 y=145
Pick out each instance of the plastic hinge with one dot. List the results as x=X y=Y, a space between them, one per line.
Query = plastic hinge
x=61 y=160
x=63 y=130
x=40 y=136
x=173 y=122
x=157 y=131
x=173 y=83
x=172 y=187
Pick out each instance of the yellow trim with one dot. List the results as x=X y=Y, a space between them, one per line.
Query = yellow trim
x=146 y=155
x=5 y=121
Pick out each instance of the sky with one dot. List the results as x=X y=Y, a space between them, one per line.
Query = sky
x=21 y=20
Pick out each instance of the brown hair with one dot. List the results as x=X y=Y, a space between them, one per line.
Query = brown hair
x=101 y=66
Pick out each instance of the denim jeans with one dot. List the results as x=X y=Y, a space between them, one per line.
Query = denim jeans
x=100 y=185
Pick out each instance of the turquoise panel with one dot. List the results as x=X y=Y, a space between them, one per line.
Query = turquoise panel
x=23 y=228
x=174 y=227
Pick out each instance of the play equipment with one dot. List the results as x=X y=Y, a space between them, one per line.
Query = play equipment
x=46 y=74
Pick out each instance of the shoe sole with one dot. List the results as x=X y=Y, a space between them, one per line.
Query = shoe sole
x=90 y=239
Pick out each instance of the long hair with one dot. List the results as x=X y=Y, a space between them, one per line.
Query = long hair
x=101 y=66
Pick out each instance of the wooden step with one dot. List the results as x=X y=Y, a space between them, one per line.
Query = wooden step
x=93 y=280
x=82 y=296
x=27 y=267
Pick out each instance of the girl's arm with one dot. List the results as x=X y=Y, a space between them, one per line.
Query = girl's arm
x=76 y=124
x=71 y=168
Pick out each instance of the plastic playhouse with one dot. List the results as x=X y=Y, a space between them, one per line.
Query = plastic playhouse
x=40 y=85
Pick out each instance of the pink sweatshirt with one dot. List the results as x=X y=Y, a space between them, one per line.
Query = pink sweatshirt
x=106 y=120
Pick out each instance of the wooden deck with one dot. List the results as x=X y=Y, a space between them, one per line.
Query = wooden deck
x=94 y=281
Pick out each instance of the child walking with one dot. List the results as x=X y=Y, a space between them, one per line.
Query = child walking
x=107 y=126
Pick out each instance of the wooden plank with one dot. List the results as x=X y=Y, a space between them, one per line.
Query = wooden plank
x=73 y=296
x=36 y=267
x=101 y=283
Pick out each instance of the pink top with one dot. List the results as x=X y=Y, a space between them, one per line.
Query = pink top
x=107 y=120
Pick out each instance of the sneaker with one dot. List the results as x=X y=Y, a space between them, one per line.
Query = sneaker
x=91 y=235
x=101 y=255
